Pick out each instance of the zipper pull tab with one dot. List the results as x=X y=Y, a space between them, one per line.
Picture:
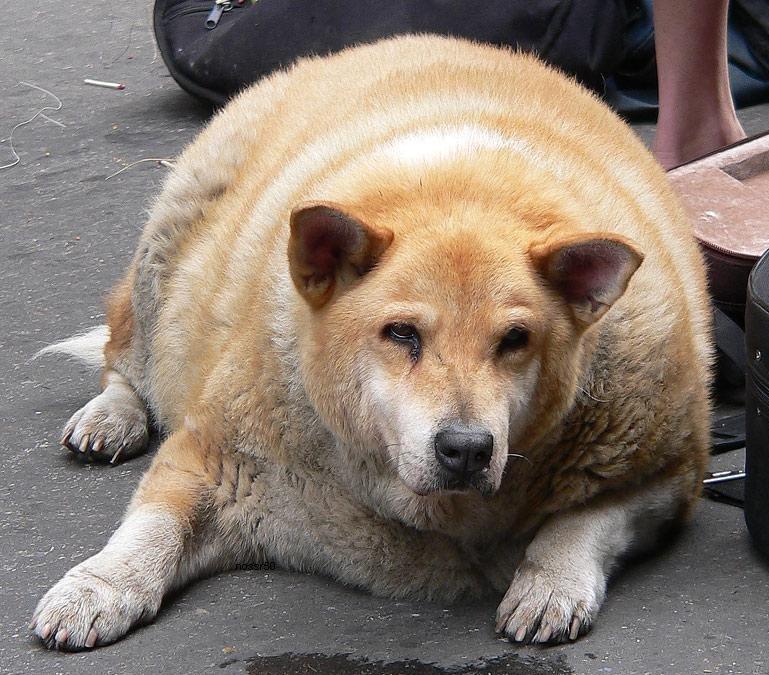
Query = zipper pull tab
x=219 y=8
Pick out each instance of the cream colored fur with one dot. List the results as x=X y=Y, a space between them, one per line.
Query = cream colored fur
x=472 y=194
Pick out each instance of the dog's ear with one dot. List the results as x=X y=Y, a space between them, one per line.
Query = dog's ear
x=591 y=271
x=329 y=247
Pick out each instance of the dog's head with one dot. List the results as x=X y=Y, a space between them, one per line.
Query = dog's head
x=443 y=344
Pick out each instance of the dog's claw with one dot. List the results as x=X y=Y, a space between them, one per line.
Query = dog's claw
x=65 y=438
x=61 y=636
x=574 y=629
x=544 y=634
x=90 y=641
x=116 y=455
x=46 y=632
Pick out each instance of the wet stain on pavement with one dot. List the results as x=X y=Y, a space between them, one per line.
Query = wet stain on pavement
x=344 y=664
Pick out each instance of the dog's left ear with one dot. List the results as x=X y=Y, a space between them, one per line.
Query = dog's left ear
x=329 y=247
x=591 y=271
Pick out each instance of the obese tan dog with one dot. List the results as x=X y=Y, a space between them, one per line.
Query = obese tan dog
x=423 y=316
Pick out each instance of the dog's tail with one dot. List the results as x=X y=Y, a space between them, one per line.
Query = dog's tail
x=87 y=347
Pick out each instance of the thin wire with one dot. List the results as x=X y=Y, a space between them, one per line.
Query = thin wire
x=134 y=25
x=153 y=41
x=126 y=48
x=53 y=121
x=165 y=161
x=39 y=113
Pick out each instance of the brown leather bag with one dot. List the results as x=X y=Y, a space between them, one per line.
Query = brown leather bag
x=727 y=196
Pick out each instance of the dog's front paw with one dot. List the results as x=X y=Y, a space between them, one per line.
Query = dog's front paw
x=545 y=605
x=88 y=609
x=110 y=427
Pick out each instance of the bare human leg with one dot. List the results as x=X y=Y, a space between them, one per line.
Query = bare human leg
x=696 y=113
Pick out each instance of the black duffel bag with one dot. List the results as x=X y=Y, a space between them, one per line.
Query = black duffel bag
x=214 y=49
x=757 y=405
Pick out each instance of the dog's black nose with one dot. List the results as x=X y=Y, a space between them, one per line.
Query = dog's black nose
x=463 y=450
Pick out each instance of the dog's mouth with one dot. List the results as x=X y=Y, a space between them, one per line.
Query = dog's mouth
x=446 y=484
x=478 y=483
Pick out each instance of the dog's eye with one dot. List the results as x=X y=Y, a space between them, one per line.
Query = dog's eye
x=407 y=334
x=402 y=332
x=514 y=339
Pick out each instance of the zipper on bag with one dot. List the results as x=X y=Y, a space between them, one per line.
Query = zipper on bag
x=215 y=15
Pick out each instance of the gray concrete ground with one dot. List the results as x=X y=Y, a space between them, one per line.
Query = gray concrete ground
x=67 y=234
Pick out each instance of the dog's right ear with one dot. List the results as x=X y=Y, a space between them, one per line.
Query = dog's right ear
x=328 y=247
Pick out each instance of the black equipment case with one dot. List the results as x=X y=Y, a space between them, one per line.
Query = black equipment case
x=757 y=405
